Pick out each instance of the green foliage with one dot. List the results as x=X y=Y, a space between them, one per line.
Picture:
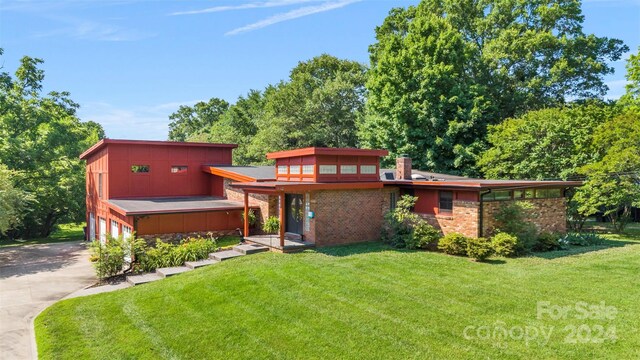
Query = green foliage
x=13 y=201
x=272 y=225
x=453 y=244
x=191 y=120
x=404 y=229
x=252 y=217
x=108 y=258
x=513 y=218
x=442 y=71
x=632 y=96
x=41 y=139
x=479 y=248
x=581 y=239
x=613 y=183
x=504 y=244
x=165 y=254
x=547 y=242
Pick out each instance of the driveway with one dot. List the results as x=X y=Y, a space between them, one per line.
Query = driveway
x=33 y=277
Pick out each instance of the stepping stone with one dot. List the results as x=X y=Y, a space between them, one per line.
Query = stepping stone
x=225 y=255
x=170 y=271
x=248 y=249
x=199 y=263
x=143 y=279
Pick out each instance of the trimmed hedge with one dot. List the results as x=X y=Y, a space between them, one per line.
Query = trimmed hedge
x=453 y=244
x=479 y=248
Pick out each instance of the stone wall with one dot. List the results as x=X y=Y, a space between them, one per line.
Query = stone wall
x=268 y=203
x=349 y=216
x=548 y=215
x=462 y=220
x=176 y=237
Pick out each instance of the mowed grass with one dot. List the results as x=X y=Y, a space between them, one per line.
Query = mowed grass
x=64 y=232
x=355 y=302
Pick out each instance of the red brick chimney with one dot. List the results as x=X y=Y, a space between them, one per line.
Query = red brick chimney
x=403 y=167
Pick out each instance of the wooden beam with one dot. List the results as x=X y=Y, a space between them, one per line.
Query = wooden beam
x=282 y=220
x=246 y=214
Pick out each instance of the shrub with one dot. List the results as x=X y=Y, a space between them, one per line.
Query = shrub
x=252 y=217
x=108 y=258
x=581 y=239
x=511 y=218
x=167 y=255
x=547 y=242
x=504 y=244
x=479 y=248
x=272 y=225
x=404 y=229
x=453 y=244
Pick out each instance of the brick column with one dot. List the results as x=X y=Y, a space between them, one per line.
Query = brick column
x=403 y=168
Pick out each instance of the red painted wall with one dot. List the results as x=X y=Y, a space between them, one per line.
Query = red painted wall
x=337 y=160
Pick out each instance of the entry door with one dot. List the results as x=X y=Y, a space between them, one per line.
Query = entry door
x=92 y=227
x=102 y=230
x=294 y=212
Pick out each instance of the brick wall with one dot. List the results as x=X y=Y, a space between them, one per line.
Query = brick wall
x=348 y=216
x=268 y=203
x=549 y=215
x=462 y=220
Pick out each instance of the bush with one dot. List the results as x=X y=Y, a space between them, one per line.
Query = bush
x=504 y=244
x=581 y=239
x=168 y=255
x=511 y=218
x=547 y=242
x=108 y=258
x=404 y=229
x=453 y=244
x=479 y=248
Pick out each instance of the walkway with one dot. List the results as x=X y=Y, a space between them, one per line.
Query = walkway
x=32 y=277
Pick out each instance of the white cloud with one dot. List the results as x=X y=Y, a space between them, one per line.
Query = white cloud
x=290 y=15
x=89 y=30
x=139 y=122
x=255 y=5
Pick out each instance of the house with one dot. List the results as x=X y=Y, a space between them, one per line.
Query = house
x=322 y=196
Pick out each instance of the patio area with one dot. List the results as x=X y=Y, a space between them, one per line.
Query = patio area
x=273 y=241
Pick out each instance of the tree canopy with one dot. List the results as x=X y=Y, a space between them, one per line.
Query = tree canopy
x=40 y=141
x=191 y=120
x=442 y=71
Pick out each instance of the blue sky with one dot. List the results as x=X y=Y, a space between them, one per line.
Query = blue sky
x=130 y=64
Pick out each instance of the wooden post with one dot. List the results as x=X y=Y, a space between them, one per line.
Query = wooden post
x=282 y=205
x=246 y=214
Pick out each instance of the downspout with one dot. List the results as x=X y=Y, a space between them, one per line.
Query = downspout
x=480 y=214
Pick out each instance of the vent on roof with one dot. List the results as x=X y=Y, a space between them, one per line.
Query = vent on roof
x=388 y=176
x=418 y=177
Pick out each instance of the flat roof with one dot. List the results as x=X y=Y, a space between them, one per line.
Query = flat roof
x=104 y=142
x=144 y=206
x=479 y=184
x=326 y=151
x=242 y=173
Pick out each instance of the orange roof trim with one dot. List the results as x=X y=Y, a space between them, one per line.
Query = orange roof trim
x=326 y=151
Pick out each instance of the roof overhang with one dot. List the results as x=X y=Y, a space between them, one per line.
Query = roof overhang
x=484 y=184
x=326 y=151
x=284 y=186
x=227 y=174
x=104 y=142
x=156 y=206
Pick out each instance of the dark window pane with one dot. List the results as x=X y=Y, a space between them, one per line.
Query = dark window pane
x=446 y=200
x=541 y=193
x=529 y=194
x=554 y=193
x=518 y=194
x=502 y=195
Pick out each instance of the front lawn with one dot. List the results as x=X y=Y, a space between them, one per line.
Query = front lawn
x=65 y=232
x=364 y=301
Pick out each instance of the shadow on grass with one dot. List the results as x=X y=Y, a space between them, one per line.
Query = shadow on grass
x=494 y=261
x=577 y=250
x=357 y=249
x=65 y=232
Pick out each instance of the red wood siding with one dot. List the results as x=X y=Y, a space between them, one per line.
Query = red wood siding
x=190 y=222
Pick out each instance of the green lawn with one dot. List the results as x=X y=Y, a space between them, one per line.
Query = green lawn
x=227 y=241
x=65 y=232
x=363 y=301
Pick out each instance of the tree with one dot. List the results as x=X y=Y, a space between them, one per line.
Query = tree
x=632 y=96
x=192 y=120
x=13 y=201
x=544 y=144
x=318 y=106
x=613 y=183
x=442 y=71
x=40 y=140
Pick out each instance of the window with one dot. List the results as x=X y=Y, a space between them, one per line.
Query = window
x=283 y=169
x=307 y=169
x=114 y=229
x=178 y=169
x=140 y=168
x=518 y=194
x=100 y=185
x=294 y=169
x=328 y=169
x=367 y=169
x=446 y=201
x=348 y=169
x=529 y=194
x=126 y=232
x=497 y=195
x=392 y=201
x=548 y=193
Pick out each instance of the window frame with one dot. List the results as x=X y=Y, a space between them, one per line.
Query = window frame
x=100 y=186
x=444 y=210
x=322 y=169
x=368 y=172
x=181 y=169
x=348 y=166
x=133 y=171
x=280 y=168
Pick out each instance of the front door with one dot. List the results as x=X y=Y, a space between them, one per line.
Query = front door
x=294 y=213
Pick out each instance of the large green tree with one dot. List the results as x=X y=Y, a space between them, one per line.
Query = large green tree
x=13 y=201
x=40 y=140
x=442 y=71
x=190 y=121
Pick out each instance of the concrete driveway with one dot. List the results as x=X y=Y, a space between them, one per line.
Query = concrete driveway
x=33 y=277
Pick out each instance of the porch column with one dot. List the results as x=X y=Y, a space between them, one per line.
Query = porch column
x=282 y=225
x=246 y=214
